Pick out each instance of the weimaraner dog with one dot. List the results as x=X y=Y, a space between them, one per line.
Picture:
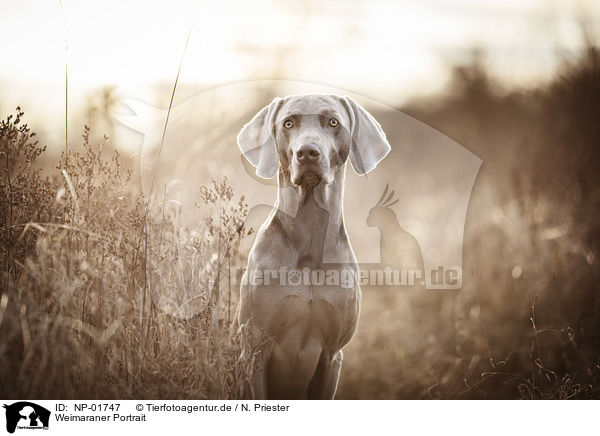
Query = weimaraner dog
x=296 y=291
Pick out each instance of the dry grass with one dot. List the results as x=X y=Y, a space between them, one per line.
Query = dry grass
x=77 y=310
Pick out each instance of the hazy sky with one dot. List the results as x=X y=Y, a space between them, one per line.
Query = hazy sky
x=387 y=50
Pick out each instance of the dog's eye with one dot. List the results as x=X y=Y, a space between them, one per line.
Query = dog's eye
x=288 y=124
x=333 y=122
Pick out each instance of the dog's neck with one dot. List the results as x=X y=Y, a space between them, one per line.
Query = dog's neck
x=312 y=217
x=293 y=199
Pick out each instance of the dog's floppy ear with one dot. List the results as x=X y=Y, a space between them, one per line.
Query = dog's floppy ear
x=257 y=143
x=368 y=144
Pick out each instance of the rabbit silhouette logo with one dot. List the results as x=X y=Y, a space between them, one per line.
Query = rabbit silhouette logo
x=26 y=415
x=398 y=248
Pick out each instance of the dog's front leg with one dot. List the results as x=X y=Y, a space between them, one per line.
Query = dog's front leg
x=259 y=379
x=324 y=385
x=331 y=382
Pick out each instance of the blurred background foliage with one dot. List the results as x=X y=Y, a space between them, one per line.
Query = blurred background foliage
x=526 y=322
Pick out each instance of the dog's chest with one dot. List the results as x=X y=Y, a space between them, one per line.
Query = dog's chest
x=326 y=314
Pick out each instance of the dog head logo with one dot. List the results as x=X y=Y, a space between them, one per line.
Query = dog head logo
x=431 y=175
x=26 y=415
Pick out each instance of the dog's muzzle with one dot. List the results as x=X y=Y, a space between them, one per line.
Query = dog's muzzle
x=309 y=166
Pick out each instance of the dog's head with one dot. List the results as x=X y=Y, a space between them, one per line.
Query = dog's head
x=312 y=136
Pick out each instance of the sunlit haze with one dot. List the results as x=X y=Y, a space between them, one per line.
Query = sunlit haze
x=389 y=51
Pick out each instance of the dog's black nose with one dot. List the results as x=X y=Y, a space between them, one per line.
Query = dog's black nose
x=308 y=153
